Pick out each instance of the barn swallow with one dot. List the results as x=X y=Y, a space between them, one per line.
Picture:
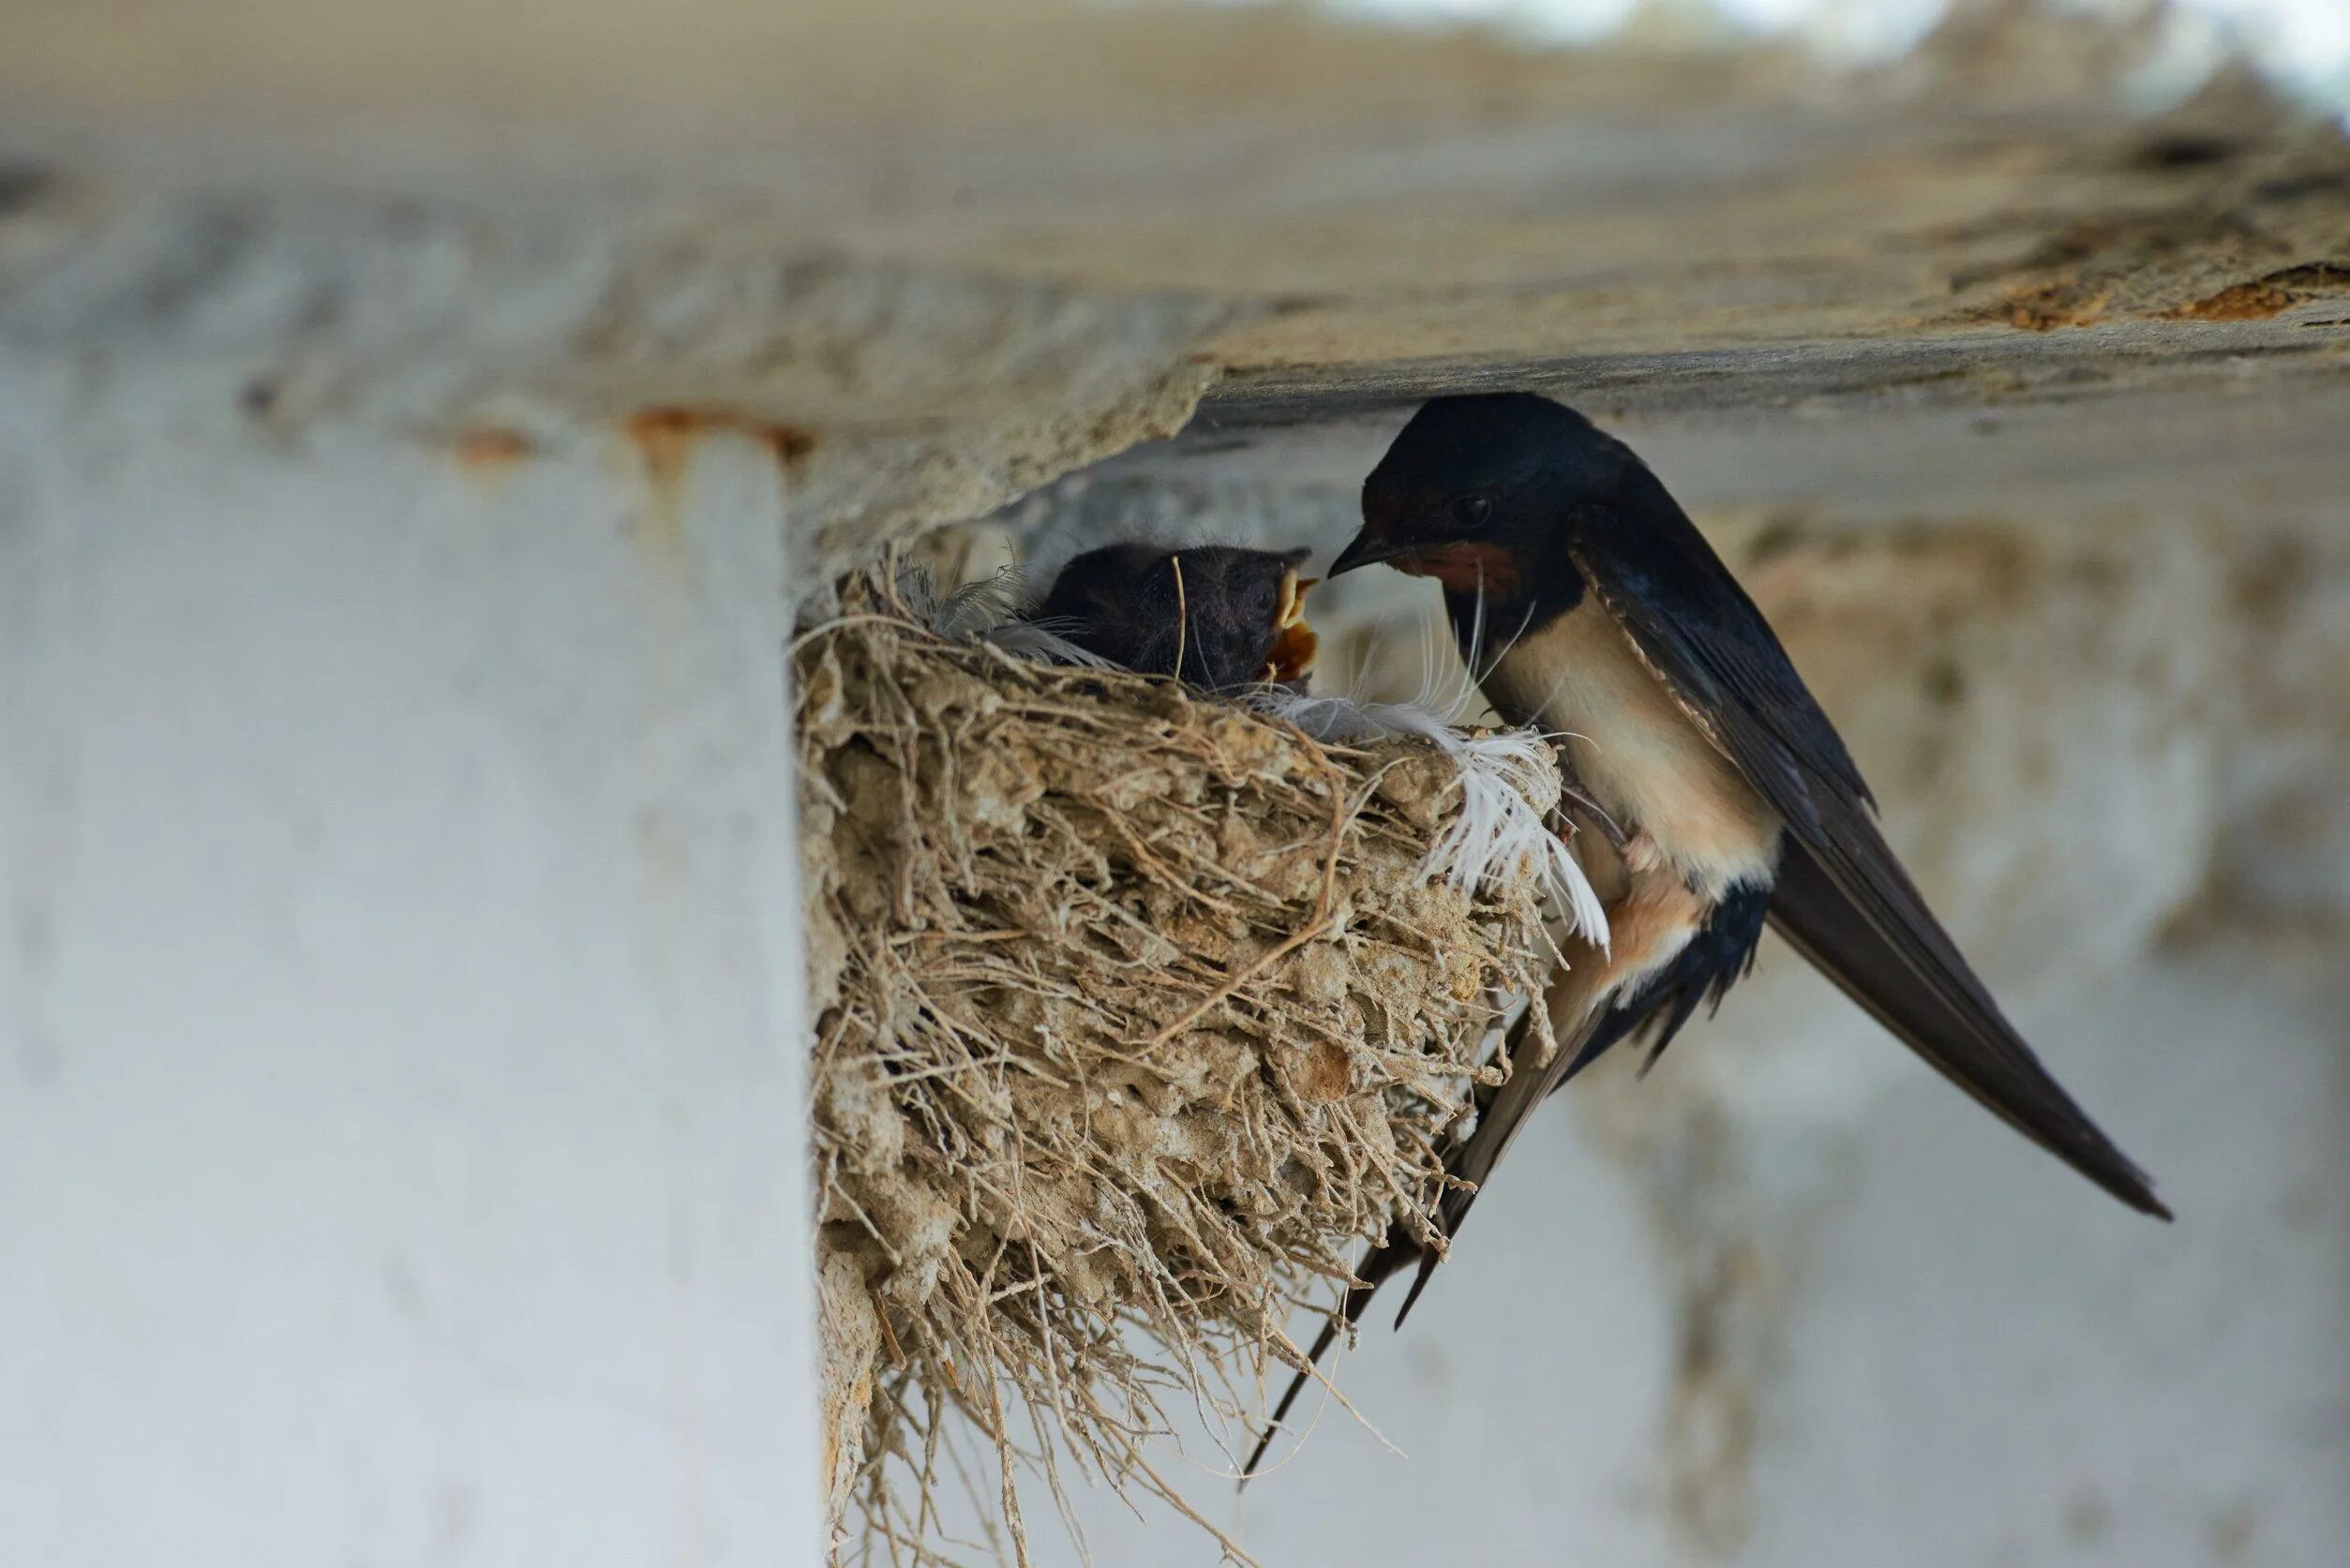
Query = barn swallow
x=1217 y=617
x=1589 y=606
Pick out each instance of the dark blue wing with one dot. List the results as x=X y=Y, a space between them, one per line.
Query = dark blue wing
x=1842 y=898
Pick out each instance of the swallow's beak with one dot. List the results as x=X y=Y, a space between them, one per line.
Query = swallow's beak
x=1367 y=550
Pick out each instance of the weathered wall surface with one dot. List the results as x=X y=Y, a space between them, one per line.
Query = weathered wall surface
x=363 y=330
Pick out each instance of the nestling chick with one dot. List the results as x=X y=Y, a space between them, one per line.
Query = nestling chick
x=1217 y=617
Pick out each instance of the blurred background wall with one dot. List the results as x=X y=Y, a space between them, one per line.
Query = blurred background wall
x=379 y=384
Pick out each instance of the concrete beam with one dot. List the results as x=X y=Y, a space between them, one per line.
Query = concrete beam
x=402 y=1148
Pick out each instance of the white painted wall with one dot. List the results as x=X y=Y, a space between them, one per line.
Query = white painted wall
x=401 y=1152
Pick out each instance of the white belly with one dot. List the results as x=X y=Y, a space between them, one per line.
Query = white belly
x=1639 y=754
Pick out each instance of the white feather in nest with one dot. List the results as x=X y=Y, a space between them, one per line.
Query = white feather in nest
x=1498 y=831
x=1037 y=639
x=988 y=611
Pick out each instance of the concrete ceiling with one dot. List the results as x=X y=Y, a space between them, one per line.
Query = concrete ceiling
x=935 y=253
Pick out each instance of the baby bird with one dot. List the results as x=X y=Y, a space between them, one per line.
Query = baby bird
x=1217 y=617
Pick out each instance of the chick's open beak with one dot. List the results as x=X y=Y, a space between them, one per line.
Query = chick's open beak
x=1295 y=643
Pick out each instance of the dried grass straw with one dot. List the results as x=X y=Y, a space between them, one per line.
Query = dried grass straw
x=1138 y=1012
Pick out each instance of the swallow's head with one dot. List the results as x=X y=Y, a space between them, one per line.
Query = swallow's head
x=1217 y=615
x=1475 y=487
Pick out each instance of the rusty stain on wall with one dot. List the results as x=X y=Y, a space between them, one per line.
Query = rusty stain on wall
x=488 y=448
x=665 y=434
x=666 y=438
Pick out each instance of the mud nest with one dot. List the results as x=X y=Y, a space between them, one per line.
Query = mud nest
x=1138 y=1011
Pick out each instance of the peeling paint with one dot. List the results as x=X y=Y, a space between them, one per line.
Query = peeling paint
x=2050 y=306
x=2272 y=295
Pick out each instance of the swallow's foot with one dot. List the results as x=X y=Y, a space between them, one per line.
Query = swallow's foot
x=1579 y=801
x=1641 y=854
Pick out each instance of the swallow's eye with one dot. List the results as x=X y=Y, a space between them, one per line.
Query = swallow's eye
x=1470 y=511
x=1261 y=601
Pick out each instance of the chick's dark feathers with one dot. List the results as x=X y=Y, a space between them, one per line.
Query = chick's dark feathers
x=1208 y=616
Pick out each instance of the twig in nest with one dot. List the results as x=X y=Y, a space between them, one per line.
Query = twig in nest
x=1183 y=611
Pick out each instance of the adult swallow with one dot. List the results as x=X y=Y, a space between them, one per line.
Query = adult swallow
x=1217 y=617
x=1588 y=604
